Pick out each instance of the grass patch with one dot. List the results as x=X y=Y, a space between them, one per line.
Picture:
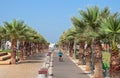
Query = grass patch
x=8 y=51
x=106 y=57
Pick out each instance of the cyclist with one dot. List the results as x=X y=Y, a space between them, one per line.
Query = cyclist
x=60 y=54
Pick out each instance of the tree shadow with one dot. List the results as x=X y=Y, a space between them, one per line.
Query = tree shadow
x=31 y=61
x=35 y=58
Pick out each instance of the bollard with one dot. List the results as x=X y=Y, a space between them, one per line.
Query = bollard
x=49 y=56
x=50 y=71
x=44 y=64
x=47 y=65
x=51 y=64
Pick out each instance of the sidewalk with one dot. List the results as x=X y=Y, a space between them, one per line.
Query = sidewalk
x=66 y=69
x=26 y=69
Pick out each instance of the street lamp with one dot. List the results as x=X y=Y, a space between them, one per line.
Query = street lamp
x=74 y=48
x=92 y=64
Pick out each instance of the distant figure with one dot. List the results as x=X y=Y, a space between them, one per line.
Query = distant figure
x=8 y=45
x=60 y=54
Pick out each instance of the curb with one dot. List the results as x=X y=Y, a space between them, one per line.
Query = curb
x=82 y=67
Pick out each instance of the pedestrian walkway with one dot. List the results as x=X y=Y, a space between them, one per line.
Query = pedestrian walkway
x=26 y=69
x=66 y=69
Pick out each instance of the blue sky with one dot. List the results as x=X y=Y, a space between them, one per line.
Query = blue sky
x=49 y=17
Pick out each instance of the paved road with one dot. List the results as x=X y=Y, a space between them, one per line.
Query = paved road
x=66 y=69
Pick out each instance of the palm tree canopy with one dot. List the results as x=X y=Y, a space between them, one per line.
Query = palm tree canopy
x=111 y=27
x=14 y=29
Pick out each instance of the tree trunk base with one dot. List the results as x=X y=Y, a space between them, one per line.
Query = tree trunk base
x=24 y=57
x=98 y=74
x=21 y=59
x=87 y=68
x=80 y=63
x=13 y=61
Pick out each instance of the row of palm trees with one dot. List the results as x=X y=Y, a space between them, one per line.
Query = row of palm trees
x=94 y=26
x=30 y=41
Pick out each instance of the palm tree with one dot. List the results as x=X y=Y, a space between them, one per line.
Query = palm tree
x=12 y=33
x=1 y=33
x=64 y=42
x=22 y=31
x=31 y=39
x=71 y=38
x=3 y=36
x=19 y=31
x=79 y=28
x=67 y=40
x=35 y=41
x=111 y=27
x=89 y=19
x=15 y=31
x=92 y=18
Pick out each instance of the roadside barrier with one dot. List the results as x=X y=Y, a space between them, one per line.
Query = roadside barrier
x=46 y=69
x=43 y=73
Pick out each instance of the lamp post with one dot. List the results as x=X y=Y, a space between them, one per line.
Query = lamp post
x=92 y=64
x=74 y=49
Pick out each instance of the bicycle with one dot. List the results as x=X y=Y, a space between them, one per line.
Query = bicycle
x=60 y=59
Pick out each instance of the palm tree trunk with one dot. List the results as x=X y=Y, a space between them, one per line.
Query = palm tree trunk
x=25 y=50
x=21 y=51
x=13 y=52
x=115 y=65
x=0 y=44
x=98 y=72
x=40 y=47
x=71 y=49
x=31 y=48
x=68 y=48
x=88 y=57
x=81 y=54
